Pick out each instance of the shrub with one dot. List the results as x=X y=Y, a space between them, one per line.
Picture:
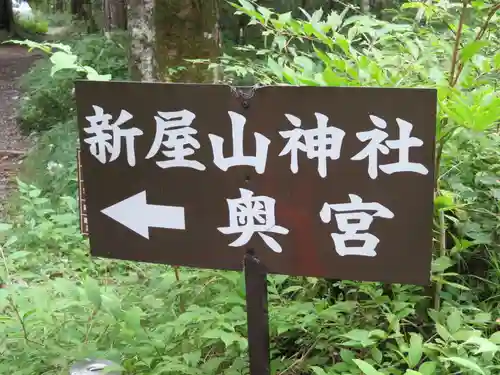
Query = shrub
x=59 y=19
x=51 y=165
x=107 y=56
x=34 y=25
x=48 y=100
x=55 y=311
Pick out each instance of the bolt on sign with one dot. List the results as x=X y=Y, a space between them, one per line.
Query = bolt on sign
x=317 y=181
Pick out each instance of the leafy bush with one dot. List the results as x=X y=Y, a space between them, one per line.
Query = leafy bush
x=33 y=25
x=51 y=165
x=49 y=100
x=59 y=19
x=70 y=307
x=106 y=55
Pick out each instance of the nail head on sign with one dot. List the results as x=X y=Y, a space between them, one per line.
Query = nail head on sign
x=245 y=104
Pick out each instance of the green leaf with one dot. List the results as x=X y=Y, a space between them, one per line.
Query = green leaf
x=212 y=365
x=441 y=330
x=291 y=289
x=62 y=60
x=318 y=370
x=359 y=336
x=347 y=355
x=331 y=79
x=10 y=241
x=455 y=285
x=443 y=201
x=93 y=292
x=465 y=334
x=193 y=358
x=343 y=44
x=462 y=362
x=133 y=318
x=266 y=13
x=227 y=338
x=376 y=355
x=495 y=338
x=247 y=5
x=5 y=227
x=412 y=48
x=316 y=16
x=35 y=193
x=441 y=264
x=335 y=20
x=92 y=75
x=19 y=254
x=427 y=368
x=471 y=49
x=412 y=5
x=416 y=349
x=497 y=60
x=305 y=62
x=285 y=17
x=230 y=337
x=275 y=67
x=280 y=41
x=436 y=75
x=366 y=367
x=322 y=56
x=290 y=75
x=484 y=345
x=412 y=372
x=482 y=318
x=454 y=321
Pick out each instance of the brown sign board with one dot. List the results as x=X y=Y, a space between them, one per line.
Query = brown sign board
x=318 y=181
x=84 y=227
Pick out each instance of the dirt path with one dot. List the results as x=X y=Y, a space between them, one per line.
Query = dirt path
x=14 y=62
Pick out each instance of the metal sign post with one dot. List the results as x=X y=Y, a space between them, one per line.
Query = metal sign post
x=257 y=315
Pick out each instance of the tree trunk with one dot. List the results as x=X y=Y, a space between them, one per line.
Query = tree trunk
x=115 y=14
x=6 y=15
x=59 y=6
x=187 y=29
x=82 y=10
x=77 y=8
x=142 y=56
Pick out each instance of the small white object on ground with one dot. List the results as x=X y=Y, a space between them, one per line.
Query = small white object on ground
x=93 y=367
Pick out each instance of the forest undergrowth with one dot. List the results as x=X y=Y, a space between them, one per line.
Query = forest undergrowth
x=58 y=305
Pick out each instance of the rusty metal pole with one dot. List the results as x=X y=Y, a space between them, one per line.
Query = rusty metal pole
x=257 y=315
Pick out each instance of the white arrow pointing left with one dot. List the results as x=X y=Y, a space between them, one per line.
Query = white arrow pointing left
x=137 y=215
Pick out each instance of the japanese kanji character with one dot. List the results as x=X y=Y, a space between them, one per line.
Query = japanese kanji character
x=376 y=138
x=174 y=132
x=352 y=218
x=323 y=142
x=107 y=138
x=261 y=146
x=253 y=214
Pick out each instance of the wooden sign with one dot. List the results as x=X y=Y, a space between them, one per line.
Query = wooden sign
x=317 y=181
